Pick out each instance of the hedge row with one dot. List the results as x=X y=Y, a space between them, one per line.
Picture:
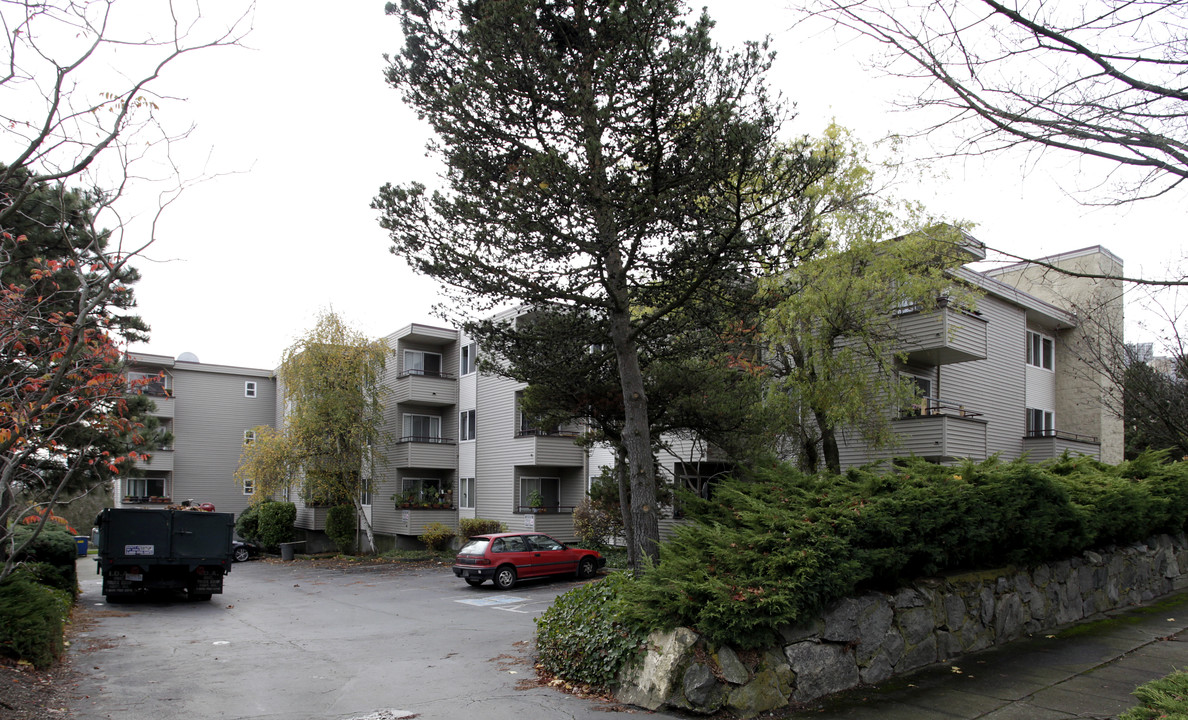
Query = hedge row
x=35 y=599
x=776 y=548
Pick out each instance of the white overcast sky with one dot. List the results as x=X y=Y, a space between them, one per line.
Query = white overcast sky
x=304 y=117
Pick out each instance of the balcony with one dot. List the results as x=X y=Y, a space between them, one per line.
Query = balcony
x=942 y=337
x=547 y=448
x=1048 y=444
x=940 y=431
x=425 y=452
x=426 y=388
x=158 y=460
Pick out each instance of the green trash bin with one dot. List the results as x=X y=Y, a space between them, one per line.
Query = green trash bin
x=82 y=541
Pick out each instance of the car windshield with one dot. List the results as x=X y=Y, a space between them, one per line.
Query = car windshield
x=477 y=546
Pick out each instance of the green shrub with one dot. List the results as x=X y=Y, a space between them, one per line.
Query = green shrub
x=32 y=619
x=56 y=550
x=436 y=536
x=469 y=527
x=584 y=636
x=1162 y=699
x=340 y=527
x=594 y=524
x=276 y=524
x=247 y=525
x=777 y=547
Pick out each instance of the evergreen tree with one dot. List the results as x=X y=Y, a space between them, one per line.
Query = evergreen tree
x=602 y=156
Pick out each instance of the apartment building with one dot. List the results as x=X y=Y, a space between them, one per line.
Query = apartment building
x=1019 y=376
x=210 y=410
x=1011 y=377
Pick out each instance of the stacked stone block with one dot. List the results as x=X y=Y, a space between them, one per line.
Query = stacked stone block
x=875 y=636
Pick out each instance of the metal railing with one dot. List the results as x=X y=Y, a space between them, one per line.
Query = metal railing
x=536 y=432
x=932 y=407
x=427 y=373
x=561 y=509
x=429 y=440
x=1060 y=434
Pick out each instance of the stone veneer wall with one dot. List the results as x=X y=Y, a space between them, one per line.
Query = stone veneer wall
x=872 y=637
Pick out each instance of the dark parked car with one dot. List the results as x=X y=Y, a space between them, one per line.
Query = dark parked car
x=242 y=551
x=505 y=558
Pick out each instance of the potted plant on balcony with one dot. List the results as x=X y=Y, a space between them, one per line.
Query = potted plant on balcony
x=535 y=501
x=403 y=500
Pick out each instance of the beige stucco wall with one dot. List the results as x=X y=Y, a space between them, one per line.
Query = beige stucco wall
x=1089 y=356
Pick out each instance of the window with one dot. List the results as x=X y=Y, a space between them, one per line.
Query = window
x=466 y=493
x=147 y=383
x=287 y=494
x=249 y=437
x=548 y=488
x=1040 y=423
x=417 y=362
x=466 y=361
x=925 y=403
x=424 y=490
x=421 y=428
x=145 y=487
x=466 y=425
x=249 y=389
x=1040 y=350
x=249 y=486
x=365 y=496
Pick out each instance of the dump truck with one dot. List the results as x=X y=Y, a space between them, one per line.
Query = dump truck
x=166 y=549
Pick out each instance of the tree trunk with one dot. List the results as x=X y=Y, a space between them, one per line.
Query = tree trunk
x=625 y=506
x=829 y=444
x=367 y=530
x=637 y=441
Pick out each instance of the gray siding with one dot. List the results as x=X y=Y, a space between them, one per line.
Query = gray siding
x=1047 y=448
x=994 y=386
x=210 y=413
x=943 y=336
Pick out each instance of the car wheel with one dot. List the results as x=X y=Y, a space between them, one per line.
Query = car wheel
x=242 y=554
x=505 y=577
x=474 y=582
x=586 y=568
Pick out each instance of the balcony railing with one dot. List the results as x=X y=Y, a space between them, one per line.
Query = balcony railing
x=930 y=406
x=429 y=440
x=536 y=432
x=1061 y=435
x=427 y=373
x=528 y=509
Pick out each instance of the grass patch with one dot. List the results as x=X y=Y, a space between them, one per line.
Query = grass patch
x=1165 y=698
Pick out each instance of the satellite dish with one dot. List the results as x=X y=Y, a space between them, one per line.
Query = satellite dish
x=187 y=357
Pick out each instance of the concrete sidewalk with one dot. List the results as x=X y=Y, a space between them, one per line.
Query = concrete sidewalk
x=1086 y=671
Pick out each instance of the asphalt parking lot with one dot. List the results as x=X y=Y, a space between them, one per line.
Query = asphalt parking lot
x=299 y=642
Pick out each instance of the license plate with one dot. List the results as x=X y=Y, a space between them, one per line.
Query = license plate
x=133 y=576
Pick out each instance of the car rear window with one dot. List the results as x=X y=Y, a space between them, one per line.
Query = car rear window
x=477 y=546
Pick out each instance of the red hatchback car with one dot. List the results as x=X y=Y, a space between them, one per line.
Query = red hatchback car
x=505 y=558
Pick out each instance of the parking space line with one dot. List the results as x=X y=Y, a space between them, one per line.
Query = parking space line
x=492 y=601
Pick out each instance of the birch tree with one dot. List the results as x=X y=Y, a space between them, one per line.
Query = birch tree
x=328 y=445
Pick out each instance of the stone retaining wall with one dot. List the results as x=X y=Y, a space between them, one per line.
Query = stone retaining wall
x=870 y=638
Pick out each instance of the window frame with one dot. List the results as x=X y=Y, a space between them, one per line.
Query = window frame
x=249 y=486
x=466 y=487
x=421 y=370
x=250 y=389
x=409 y=437
x=1041 y=351
x=467 y=357
x=537 y=482
x=467 y=428
x=1046 y=419
x=249 y=437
